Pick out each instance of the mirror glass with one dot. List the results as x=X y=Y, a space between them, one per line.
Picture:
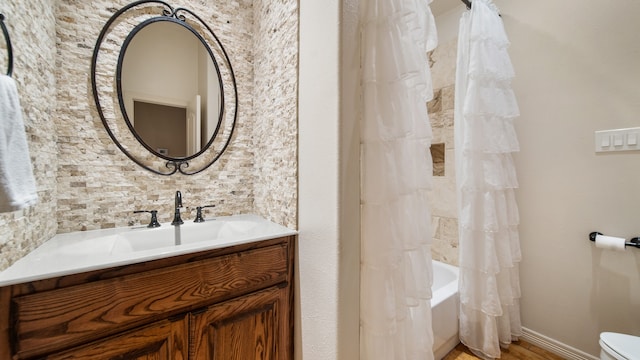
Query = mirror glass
x=170 y=89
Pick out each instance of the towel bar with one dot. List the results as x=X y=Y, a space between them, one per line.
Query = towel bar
x=5 y=32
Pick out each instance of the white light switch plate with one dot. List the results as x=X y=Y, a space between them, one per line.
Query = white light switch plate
x=618 y=140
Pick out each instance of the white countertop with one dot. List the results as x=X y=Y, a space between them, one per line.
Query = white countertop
x=78 y=252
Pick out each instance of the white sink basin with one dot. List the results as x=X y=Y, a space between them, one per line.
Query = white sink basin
x=142 y=239
x=92 y=250
x=100 y=245
x=213 y=231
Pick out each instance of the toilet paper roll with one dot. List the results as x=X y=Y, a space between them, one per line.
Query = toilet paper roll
x=610 y=242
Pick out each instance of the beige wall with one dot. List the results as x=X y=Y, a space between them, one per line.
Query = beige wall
x=576 y=72
x=317 y=267
x=329 y=220
x=85 y=182
x=348 y=313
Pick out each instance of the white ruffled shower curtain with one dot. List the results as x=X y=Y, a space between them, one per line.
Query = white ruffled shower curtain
x=396 y=273
x=486 y=178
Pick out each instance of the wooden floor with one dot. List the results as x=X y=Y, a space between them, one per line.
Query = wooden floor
x=520 y=350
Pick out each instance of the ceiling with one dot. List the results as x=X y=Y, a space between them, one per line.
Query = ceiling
x=439 y=7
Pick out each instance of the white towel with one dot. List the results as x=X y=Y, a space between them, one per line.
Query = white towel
x=17 y=184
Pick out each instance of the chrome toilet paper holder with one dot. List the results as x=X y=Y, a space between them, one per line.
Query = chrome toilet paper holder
x=633 y=242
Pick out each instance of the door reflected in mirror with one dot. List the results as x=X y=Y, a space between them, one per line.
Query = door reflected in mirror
x=162 y=127
x=171 y=89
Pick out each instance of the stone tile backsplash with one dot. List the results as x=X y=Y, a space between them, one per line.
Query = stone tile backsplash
x=275 y=126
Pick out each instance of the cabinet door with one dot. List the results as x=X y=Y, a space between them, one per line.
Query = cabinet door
x=251 y=327
x=163 y=340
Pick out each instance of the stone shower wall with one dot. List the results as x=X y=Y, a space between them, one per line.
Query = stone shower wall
x=444 y=212
x=31 y=26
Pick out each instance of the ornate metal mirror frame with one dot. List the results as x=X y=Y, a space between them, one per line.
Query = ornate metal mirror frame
x=140 y=14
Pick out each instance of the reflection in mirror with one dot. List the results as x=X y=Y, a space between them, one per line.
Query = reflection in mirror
x=162 y=127
x=170 y=89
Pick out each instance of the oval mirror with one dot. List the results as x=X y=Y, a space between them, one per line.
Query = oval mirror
x=170 y=88
x=164 y=88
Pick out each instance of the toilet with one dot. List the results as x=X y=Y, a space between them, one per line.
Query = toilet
x=619 y=346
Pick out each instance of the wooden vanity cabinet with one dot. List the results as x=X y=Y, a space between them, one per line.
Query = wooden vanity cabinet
x=233 y=303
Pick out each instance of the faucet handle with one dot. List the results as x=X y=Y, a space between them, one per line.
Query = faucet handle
x=154 y=217
x=199 y=217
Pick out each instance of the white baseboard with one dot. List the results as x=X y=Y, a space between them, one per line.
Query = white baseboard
x=446 y=347
x=554 y=346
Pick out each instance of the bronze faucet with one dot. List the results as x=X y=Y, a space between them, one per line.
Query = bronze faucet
x=178 y=204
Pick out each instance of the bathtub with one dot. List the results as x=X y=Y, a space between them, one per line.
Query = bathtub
x=444 y=308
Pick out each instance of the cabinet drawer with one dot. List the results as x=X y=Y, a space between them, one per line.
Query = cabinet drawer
x=162 y=340
x=57 y=319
